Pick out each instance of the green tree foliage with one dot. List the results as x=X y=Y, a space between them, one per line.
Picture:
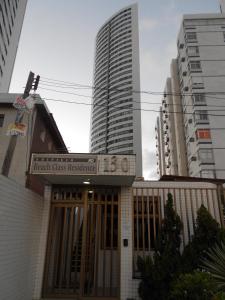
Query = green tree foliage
x=215 y=264
x=193 y=286
x=206 y=234
x=157 y=273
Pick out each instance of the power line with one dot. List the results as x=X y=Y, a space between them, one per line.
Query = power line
x=142 y=102
x=71 y=84
x=128 y=109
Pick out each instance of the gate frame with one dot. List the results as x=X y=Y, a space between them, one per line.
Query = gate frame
x=84 y=204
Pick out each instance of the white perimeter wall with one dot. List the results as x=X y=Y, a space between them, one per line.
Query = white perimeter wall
x=20 y=227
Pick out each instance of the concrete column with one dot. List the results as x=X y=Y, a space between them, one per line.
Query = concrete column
x=42 y=244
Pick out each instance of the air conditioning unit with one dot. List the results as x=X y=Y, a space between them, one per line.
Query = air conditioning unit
x=186 y=88
x=193 y=158
x=181 y=46
x=184 y=73
x=191 y=139
x=190 y=121
x=183 y=59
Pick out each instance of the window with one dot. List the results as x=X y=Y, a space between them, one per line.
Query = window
x=199 y=99
x=201 y=116
x=203 y=134
x=195 y=65
x=208 y=174
x=193 y=51
x=146 y=223
x=197 y=82
x=191 y=37
x=224 y=36
x=206 y=155
x=1 y=120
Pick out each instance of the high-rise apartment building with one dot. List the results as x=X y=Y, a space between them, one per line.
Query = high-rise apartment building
x=193 y=107
x=116 y=115
x=11 y=21
x=222 y=6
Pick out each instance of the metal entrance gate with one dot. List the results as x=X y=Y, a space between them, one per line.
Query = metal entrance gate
x=82 y=254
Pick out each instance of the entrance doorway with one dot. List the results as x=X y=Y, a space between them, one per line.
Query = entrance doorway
x=83 y=243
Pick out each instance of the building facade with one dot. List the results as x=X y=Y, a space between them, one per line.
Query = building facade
x=11 y=21
x=42 y=135
x=222 y=6
x=195 y=115
x=92 y=225
x=116 y=115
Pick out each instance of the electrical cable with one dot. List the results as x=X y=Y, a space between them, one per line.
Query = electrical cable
x=128 y=109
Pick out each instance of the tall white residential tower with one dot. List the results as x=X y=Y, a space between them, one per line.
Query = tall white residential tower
x=195 y=122
x=11 y=21
x=222 y=6
x=116 y=115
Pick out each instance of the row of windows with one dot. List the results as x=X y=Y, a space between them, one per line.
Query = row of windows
x=99 y=102
x=96 y=130
x=121 y=29
x=120 y=42
x=119 y=91
x=100 y=122
x=121 y=120
x=121 y=15
x=128 y=138
x=206 y=156
x=119 y=51
x=114 y=41
x=115 y=49
x=115 y=128
x=115 y=88
x=94 y=136
x=119 y=115
x=111 y=78
x=130 y=106
x=125 y=152
x=120 y=127
x=130 y=145
x=120 y=69
x=109 y=62
x=203 y=134
x=120 y=64
x=201 y=116
x=120 y=133
x=101 y=115
x=124 y=22
x=112 y=82
x=105 y=33
x=104 y=61
x=112 y=85
x=97 y=141
x=129 y=100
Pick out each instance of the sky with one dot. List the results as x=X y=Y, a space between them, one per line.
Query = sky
x=58 y=42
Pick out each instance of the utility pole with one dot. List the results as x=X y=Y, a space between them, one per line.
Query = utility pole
x=32 y=84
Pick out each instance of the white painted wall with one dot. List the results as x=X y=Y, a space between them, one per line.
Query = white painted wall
x=188 y=197
x=20 y=227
